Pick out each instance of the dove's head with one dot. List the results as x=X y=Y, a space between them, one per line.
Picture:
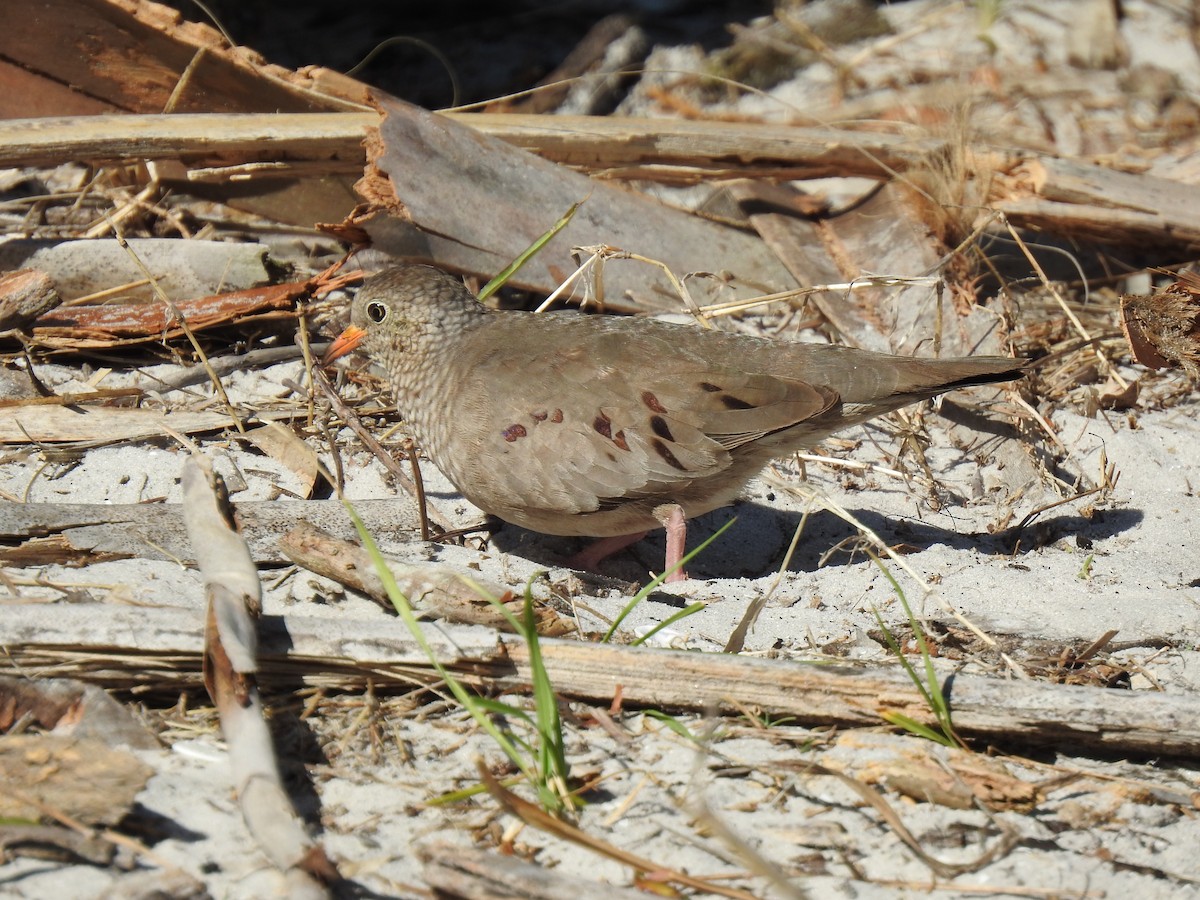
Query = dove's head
x=408 y=314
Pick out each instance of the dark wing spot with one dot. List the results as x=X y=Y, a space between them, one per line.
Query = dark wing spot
x=731 y=402
x=603 y=425
x=659 y=424
x=651 y=401
x=709 y=387
x=539 y=415
x=556 y=416
x=665 y=452
x=619 y=440
x=514 y=432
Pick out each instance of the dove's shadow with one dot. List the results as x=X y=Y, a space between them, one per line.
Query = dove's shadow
x=756 y=543
x=828 y=540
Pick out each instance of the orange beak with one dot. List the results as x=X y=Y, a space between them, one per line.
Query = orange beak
x=344 y=343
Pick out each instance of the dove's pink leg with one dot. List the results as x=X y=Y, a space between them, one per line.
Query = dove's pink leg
x=595 y=553
x=672 y=519
x=676 y=524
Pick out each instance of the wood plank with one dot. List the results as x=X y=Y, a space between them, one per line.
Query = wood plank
x=586 y=142
x=802 y=244
x=1091 y=201
x=138 y=56
x=1101 y=224
x=1069 y=181
x=32 y=95
x=211 y=138
x=122 y=646
x=781 y=151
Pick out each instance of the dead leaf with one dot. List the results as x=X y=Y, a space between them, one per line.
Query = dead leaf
x=282 y=445
x=947 y=776
x=1117 y=397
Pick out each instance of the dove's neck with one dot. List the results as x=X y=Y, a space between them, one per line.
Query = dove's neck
x=433 y=366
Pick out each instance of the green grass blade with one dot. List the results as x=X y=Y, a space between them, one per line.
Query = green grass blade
x=931 y=687
x=691 y=609
x=659 y=579
x=466 y=793
x=546 y=721
x=505 y=710
x=898 y=652
x=513 y=267
x=545 y=701
x=477 y=709
x=672 y=723
x=921 y=730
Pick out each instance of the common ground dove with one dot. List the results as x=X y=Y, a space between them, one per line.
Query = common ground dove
x=602 y=426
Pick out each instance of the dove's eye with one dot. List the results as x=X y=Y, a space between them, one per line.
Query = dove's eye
x=376 y=312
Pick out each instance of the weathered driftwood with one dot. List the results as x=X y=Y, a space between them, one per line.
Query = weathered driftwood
x=612 y=145
x=434 y=590
x=24 y=295
x=182 y=269
x=454 y=871
x=1051 y=194
x=622 y=146
x=884 y=236
x=209 y=139
x=426 y=170
x=93 y=781
x=1063 y=196
x=33 y=534
x=119 y=646
x=80 y=710
x=233 y=595
x=96 y=426
x=58 y=841
x=141 y=57
x=65 y=745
